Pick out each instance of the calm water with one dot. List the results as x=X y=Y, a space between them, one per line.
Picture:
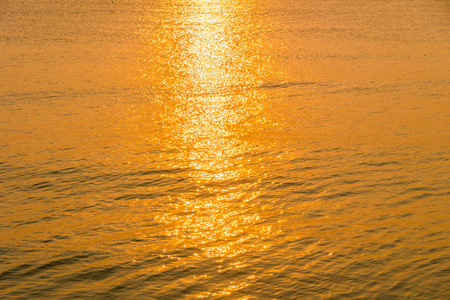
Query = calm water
x=240 y=149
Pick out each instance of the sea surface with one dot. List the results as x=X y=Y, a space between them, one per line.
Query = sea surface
x=224 y=149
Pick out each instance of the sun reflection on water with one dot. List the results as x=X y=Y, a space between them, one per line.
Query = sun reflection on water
x=213 y=111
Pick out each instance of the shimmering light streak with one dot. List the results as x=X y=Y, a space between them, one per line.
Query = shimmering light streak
x=216 y=106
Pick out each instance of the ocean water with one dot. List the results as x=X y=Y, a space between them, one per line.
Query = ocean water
x=212 y=149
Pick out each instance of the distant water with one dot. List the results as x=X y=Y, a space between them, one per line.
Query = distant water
x=252 y=149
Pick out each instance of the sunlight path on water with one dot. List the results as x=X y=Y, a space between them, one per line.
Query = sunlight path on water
x=216 y=106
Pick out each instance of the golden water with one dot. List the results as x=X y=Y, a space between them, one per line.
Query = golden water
x=224 y=149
